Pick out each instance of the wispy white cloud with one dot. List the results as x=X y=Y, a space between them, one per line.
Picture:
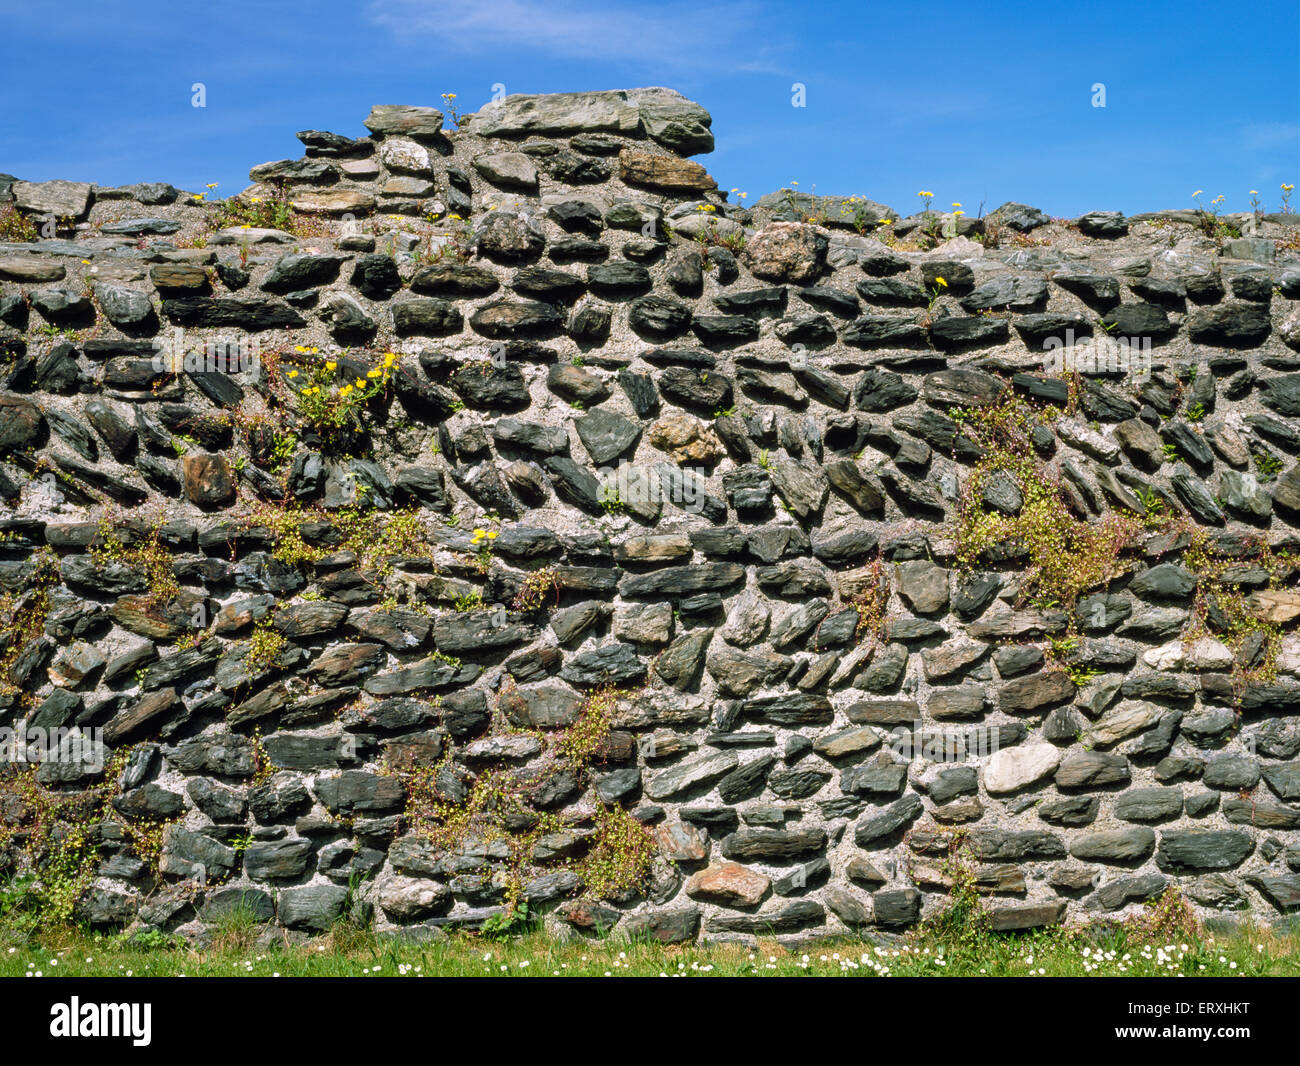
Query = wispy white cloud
x=1257 y=136
x=714 y=36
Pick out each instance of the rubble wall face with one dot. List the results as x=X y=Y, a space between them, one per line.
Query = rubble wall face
x=646 y=583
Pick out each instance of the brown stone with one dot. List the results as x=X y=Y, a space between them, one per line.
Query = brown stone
x=1278 y=606
x=160 y=619
x=663 y=172
x=1033 y=691
x=728 y=883
x=332 y=202
x=207 y=480
x=686 y=439
x=179 y=276
x=141 y=718
x=29 y=268
x=681 y=843
x=653 y=548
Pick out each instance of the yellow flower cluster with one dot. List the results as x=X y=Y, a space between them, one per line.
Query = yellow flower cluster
x=480 y=535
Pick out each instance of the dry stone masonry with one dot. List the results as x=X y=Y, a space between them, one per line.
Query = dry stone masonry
x=473 y=517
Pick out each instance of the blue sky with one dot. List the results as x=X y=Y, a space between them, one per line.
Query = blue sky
x=976 y=102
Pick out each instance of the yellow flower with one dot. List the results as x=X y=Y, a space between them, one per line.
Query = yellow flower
x=941 y=283
x=345 y=391
x=1287 y=188
x=493 y=535
x=372 y=373
x=299 y=348
x=293 y=373
x=389 y=357
x=331 y=365
x=86 y=261
x=1197 y=193
x=361 y=384
x=1254 y=192
x=956 y=205
x=212 y=185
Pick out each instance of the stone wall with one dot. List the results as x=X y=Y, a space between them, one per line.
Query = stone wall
x=645 y=584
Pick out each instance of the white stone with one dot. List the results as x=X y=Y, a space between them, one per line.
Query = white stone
x=1206 y=653
x=1288 y=656
x=405 y=156
x=1013 y=768
x=1166 y=657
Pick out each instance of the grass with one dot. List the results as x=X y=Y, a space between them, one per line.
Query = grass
x=349 y=953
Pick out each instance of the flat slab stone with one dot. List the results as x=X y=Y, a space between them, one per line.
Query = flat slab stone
x=404 y=120
x=562 y=113
x=63 y=199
